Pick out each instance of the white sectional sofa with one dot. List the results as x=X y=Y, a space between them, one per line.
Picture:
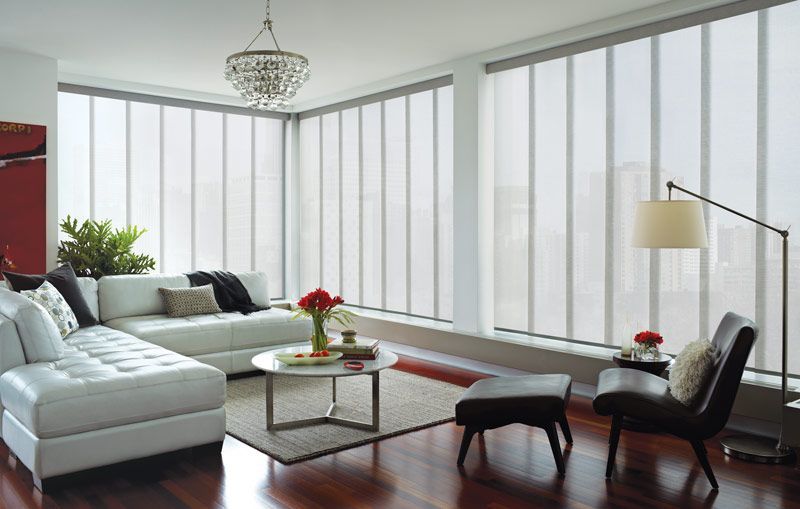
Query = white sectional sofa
x=226 y=341
x=140 y=384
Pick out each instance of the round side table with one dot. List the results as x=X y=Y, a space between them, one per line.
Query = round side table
x=656 y=367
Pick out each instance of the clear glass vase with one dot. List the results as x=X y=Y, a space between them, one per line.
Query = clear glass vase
x=646 y=351
x=319 y=335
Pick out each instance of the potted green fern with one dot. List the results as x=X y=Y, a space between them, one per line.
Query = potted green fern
x=96 y=249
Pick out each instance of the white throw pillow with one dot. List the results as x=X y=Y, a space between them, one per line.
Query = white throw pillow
x=690 y=371
x=56 y=306
x=257 y=285
x=38 y=333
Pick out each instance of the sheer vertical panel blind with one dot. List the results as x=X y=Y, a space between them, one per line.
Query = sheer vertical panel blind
x=208 y=184
x=580 y=138
x=376 y=190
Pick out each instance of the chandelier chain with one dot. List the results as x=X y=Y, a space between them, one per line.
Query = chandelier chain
x=267 y=26
x=266 y=79
x=254 y=38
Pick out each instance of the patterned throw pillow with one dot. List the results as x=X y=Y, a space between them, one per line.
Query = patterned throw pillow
x=56 y=306
x=198 y=300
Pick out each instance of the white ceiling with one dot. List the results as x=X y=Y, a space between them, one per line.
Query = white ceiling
x=349 y=43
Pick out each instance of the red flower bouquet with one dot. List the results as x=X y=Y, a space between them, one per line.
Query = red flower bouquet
x=649 y=338
x=647 y=343
x=321 y=307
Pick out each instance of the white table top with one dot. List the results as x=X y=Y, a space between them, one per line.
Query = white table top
x=266 y=361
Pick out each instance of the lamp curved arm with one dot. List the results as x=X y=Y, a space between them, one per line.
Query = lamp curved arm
x=672 y=185
x=784 y=290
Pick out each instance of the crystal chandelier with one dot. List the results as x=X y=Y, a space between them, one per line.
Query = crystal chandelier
x=267 y=79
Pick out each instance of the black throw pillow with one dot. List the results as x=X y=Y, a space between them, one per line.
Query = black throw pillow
x=65 y=281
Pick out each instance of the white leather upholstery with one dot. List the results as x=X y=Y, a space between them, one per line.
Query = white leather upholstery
x=88 y=286
x=269 y=327
x=107 y=378
x=11 y=354
x=188 y=335
x=115 y=397
x=135 y=294
x=37 y=331
x=216 y=333
x=257 y=285
x=48 y=457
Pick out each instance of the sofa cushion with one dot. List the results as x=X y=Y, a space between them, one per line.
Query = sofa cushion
x=135 y=294
x=272 y=326
x=108 y=378
x=257 y=285
x=37 y=331
x=11 y=354
x=189 y=335
x=88 y=286
x=65 y=281
x=219 y=332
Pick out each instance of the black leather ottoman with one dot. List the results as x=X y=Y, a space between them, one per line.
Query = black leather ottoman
x=535 y=400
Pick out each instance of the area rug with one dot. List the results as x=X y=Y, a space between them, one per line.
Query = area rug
x=408 y=402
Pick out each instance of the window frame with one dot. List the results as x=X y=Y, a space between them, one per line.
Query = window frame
x=192 y=106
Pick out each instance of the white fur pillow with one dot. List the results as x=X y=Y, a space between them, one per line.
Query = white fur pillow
x=690 y=370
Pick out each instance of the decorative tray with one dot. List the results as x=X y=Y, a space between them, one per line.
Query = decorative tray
x=305 y=360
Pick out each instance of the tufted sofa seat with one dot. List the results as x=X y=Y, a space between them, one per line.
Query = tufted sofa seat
x=108 y=378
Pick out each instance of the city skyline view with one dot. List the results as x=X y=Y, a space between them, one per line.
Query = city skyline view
x=579 y=140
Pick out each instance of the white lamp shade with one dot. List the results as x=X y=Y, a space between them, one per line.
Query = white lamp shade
x=669 y=224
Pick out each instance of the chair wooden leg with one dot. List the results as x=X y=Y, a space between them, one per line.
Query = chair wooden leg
x=613 y=441
x=702 y=457
x=552 y=435
x=565 y=429
x=465 y=440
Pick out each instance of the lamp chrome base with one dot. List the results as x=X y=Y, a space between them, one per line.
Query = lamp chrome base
x=756 y=449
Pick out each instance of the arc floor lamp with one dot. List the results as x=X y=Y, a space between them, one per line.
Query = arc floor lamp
x=680 y=224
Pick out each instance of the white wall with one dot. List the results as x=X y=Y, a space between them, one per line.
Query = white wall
x=29 y=94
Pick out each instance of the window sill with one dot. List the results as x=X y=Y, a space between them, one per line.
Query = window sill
x=601 y=352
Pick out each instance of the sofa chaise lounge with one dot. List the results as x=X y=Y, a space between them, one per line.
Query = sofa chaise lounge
x=138 y=385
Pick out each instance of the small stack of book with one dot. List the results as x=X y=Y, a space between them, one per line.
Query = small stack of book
x=362 y=349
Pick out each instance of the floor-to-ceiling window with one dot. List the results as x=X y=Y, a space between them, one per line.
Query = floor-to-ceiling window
x=580 y=138
x=206 y=183
x=376 y=191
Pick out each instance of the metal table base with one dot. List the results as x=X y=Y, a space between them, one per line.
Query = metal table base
x=328 y=417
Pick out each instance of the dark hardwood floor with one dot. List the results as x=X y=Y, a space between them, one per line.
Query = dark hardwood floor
x=509 y=467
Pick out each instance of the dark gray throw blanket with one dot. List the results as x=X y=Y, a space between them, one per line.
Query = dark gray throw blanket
x=230 y=293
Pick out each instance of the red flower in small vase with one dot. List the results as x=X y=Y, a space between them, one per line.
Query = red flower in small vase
x=321 y=307
x=649 y=338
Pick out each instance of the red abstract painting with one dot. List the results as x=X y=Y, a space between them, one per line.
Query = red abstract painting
x=23 y=173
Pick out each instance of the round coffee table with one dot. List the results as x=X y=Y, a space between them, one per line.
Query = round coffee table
x=271 y=366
